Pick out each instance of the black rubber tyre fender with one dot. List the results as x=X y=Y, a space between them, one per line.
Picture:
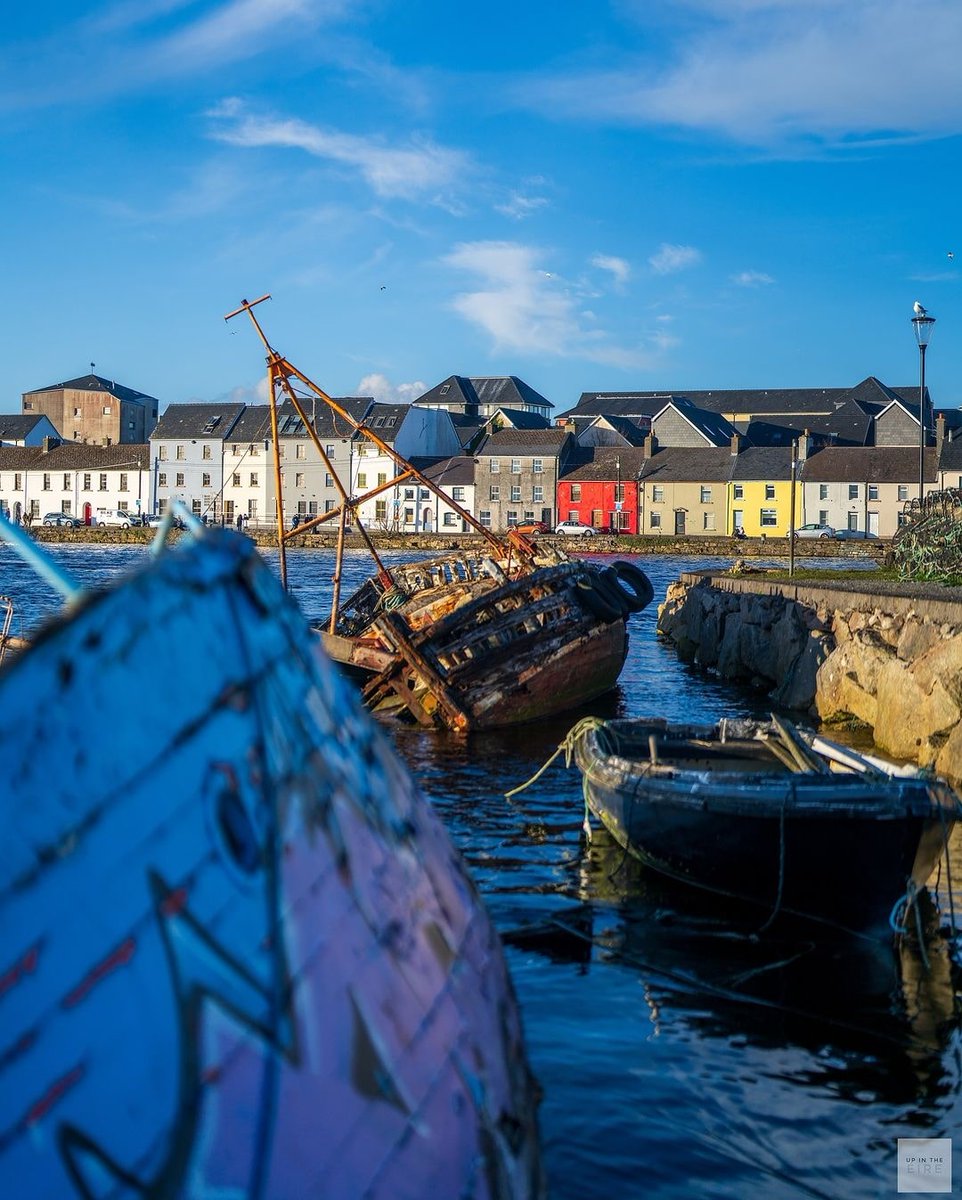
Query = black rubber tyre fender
x=594 y=597
x=641 y=593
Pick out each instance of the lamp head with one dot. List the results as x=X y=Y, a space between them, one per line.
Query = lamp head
x=923 y=325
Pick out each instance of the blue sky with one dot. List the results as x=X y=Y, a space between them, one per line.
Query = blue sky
x=633 y=194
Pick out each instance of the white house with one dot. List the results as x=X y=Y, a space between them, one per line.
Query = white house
x=67 y=477
x=309 y=485
x=187 y=448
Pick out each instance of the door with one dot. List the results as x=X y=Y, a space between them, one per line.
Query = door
x=679 y=522
x=738 y=519
x=873 y=524
x=88 y=512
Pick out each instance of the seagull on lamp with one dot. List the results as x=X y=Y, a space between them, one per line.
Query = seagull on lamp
x=920 y=310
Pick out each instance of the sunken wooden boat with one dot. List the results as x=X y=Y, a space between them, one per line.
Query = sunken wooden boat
x=765 y=813
x=463 y=642
x=505 y=635
x=239 y=955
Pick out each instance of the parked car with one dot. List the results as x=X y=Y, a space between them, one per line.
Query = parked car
x=59 y=518
x=117 y=517
x=844 y=534
x=815 y=529
x=531 y=527
x=574 y=529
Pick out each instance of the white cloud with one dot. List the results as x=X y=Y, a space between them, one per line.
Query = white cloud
x=381 y=388
x=776 y=72
x=670 y=258
x=618 y=267
x=525 y=309
x=519 y=206
x=752 y=279
x=419 y=169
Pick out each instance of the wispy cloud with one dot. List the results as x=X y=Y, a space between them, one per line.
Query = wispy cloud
x=137 y=45
x=524 y=308
x=778 y=72
x=418 y=169
x=669 y=259
x=618 y=267
x=381 y=388
x=752 y=279
x=518 y=206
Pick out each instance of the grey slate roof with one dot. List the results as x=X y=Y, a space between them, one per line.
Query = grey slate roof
x=497 y=390
x=327 y=423
x=712 y=426
x=763 y=462
x=951 y=457
x=450 y=472
x=548 y=441
x=196 y=420
x=74 y=456
x=847 y=425
x=867 y=464
x=96 y=383
x=16 y=426
x=384 y=420
x=608 y=463
x=690 y=464
x=520 y=418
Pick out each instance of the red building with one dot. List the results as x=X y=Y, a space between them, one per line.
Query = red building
x=603 y=493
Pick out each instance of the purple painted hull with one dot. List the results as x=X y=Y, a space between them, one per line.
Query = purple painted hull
x=238 y=953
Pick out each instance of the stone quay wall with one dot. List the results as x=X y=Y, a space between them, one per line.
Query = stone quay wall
x=890 y=658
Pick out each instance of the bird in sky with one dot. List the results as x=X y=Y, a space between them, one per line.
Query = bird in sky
x=951 y=254
x=919 y=309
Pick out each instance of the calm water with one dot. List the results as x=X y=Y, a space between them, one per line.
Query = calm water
x=680 y=1055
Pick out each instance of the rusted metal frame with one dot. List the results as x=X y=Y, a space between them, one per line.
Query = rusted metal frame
x=336 y=581
x=281 y=549
x=384 y=573
x=399 y=461
x=391 y=629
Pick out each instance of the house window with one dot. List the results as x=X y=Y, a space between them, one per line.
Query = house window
x=409 y=493
x=381 y=478
x=162 y=479
x=873 y=491
x=853 y=491
x=299 y=480
x=205 y=480
x=66 y=507
x=328 y=479
x=449 y=519
x=657 y=493
x=444 y=389
x=361 y=451
x=620 y=493
x=253 y=479
x=78 y=412
x=234 y=450
x=162 y=453
x=205 y=452
x=457 y=493
x=495 y=466
x=515 y=493
x=380 y=510
x=705 y=497
x=253 y=451
x=823 y=491
x=769 y=491
x=739 y=492
x=512 y=517
x=329 y=451
x=823 y=516
x=180 y=453
x=299 y=450
x=103 y=483
x=576 y=493
x=654 y=520
x=537 y=465
x=88 y=483
x=362 y=479
x=904 y=493
x=46 y=481
x=180 y=479
x=236 y=479
x=537 y=494
x=903 y=519
x=767 y=517
x=195 y=507
x=312 y=507
x=66 y=481
x=708 y=521
x=516 y=466
x=494 y=492
x=484 y=516
x=123 y=481
x=106 y=410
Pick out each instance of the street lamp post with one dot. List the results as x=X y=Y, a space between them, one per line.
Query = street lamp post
x=923 y=324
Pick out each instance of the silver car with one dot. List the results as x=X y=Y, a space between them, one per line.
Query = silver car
x=815 y=530
x=574 y=529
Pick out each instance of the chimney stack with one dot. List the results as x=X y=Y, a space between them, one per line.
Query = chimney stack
x=651 y=446
x=939 y=434
x=736 y=443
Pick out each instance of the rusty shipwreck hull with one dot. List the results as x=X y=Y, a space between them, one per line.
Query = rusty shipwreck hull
x=467 y=647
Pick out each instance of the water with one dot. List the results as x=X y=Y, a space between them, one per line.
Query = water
x=680 y=1056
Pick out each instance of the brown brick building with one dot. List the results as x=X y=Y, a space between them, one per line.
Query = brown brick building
x=95 y=410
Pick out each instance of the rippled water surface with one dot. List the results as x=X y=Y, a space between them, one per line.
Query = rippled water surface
x=680 y=1055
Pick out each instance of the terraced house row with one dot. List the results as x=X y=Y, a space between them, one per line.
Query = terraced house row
x=659 y=463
